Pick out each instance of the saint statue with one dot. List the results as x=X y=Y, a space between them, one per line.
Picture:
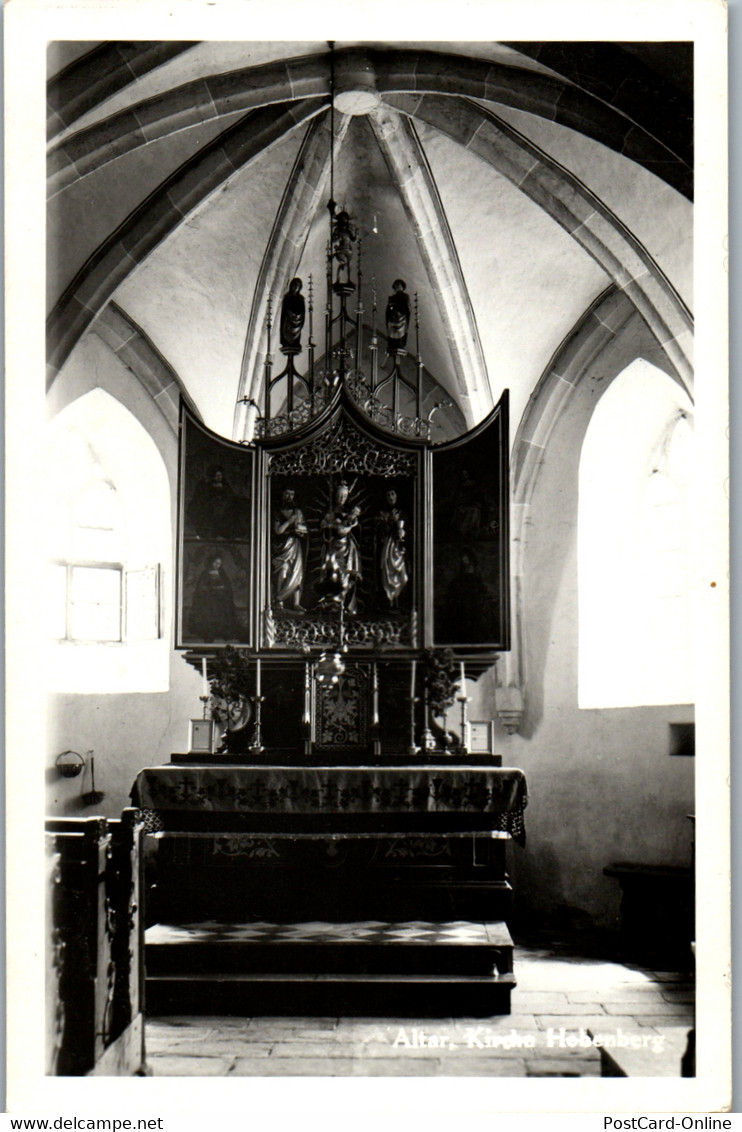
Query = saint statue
x=341 y=555
x=392 y=553
x=397 y=317
x=287 y=559
x=292 y=317
x=343 y=238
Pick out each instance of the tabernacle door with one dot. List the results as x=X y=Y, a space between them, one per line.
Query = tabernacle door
x=470 y=537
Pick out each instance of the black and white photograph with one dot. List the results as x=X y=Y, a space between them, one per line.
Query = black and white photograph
x=378 y=585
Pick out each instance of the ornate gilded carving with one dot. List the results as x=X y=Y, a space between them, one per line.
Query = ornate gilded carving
x=308 y=408
x=342 y=710
x=343 y=448
x=306 y=632
x=382 y=414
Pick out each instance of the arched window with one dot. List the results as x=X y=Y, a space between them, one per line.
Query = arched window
x=634 y=544
x=108 y=536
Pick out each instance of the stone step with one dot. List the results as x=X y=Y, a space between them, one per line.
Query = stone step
x=330 y=994
x=405 y=948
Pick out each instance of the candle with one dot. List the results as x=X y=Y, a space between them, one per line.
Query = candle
x=412 y=680
x=307 y=717
x=257 y=677
x=204 y=681
x=375 y=719
x=463 y=679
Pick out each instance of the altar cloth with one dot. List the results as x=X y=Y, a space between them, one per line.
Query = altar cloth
x=498 y=794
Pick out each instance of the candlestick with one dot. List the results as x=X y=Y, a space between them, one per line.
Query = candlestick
x=375 y=678
x=413 y=749
x=428 y=738
x=204 y=680
x=307 y=716
x=257 y=743
x=257 y=678
x=463 y=700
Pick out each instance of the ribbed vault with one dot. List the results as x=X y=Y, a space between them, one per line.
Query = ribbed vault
x=158 y=215
x=505 y=245
x=395 y=72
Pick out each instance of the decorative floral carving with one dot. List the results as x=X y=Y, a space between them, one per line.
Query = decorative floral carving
x=289 y=632
x=286 y=423
x=342 y=448
x=382 y=414
x=342 y=710
x=241 y=845
x=407 y=848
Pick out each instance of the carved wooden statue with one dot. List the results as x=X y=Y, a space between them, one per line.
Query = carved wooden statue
x=397 y=317
x=287 y=559
x=292 y=317
x=343 y=238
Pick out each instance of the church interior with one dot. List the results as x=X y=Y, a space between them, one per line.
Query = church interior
x=369 y=458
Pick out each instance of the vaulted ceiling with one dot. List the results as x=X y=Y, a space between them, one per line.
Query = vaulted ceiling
x=509 y=184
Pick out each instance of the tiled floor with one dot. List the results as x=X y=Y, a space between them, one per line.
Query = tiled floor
x=558 y=1003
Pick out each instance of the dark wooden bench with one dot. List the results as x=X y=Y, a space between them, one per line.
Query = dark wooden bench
x=657 y=914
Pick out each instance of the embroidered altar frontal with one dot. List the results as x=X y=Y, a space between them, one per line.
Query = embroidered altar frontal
x=482 y=799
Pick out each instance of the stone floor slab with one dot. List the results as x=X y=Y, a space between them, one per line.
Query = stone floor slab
x=653 y=1007
x=190 y=1066
x=283 y=1022
x=295 y=1067
x=482 y=1067
x=230 y=1047
x=657 y=1021
x=538 y=1002
x=335 y=1067
x=625 y=993
x=564 y=1067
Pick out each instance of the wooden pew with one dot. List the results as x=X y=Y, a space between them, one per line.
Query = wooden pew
x=95 y=956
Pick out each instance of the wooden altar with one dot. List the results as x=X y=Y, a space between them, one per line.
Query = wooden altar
x=341 y=573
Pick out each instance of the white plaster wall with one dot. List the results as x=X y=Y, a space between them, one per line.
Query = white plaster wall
x=603 y=787
x=128 y=731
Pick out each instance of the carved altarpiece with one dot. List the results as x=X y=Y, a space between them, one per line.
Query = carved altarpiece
x=343 y=539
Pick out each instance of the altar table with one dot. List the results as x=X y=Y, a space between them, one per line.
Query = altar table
x=439 y=798
x=333 y=842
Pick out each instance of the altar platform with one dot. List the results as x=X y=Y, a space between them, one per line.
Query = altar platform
x=311 y=886
x=228 y=967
